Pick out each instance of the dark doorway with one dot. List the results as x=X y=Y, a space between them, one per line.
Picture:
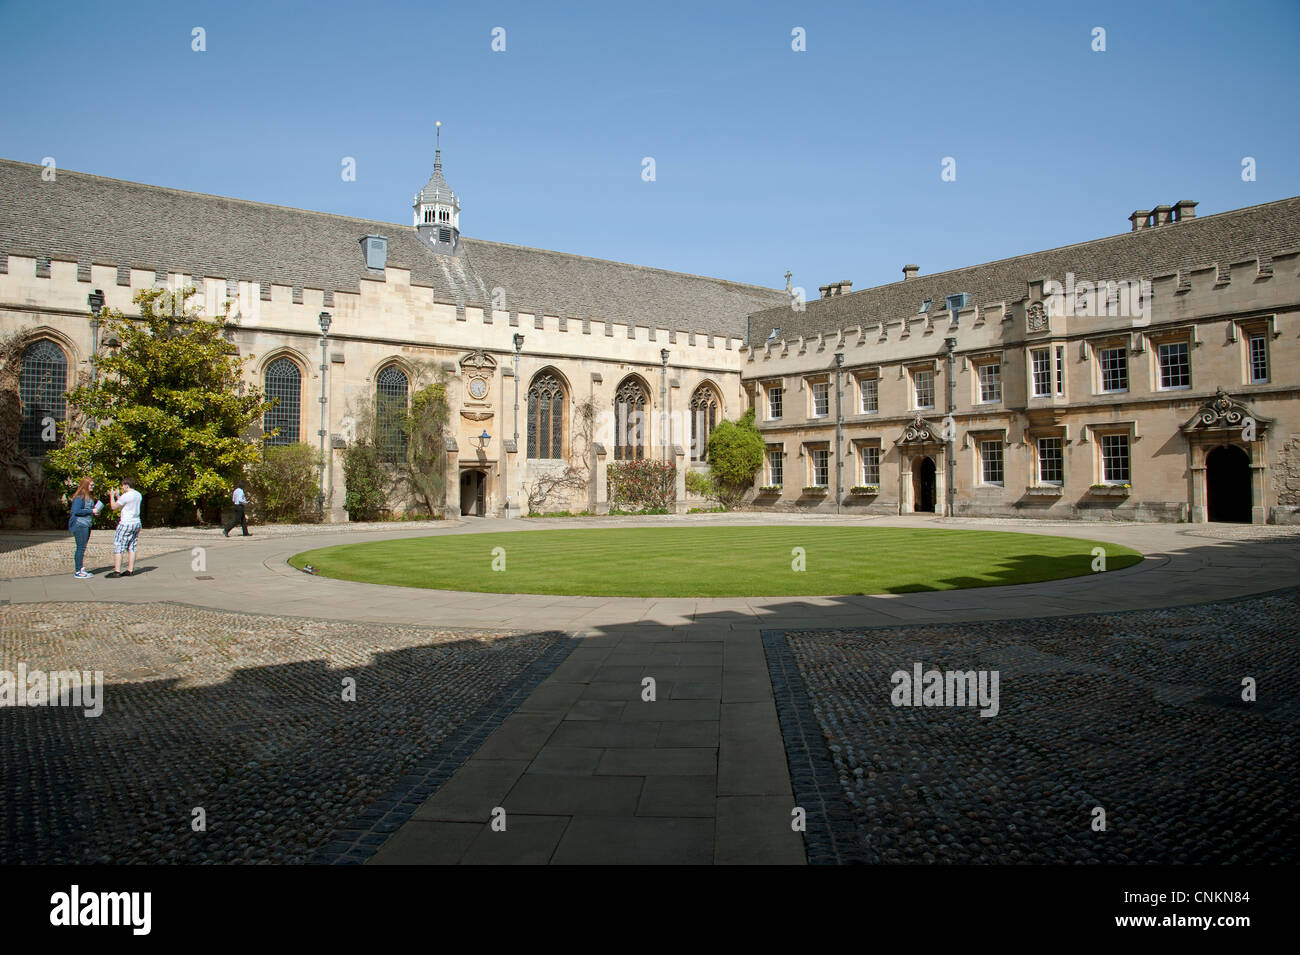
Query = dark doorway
x=923 y=486
x=473 y=492
x=1227 y=485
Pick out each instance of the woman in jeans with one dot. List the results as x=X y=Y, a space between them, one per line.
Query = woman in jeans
x=83 y=512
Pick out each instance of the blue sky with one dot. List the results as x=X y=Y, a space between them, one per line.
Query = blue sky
x=825 y=162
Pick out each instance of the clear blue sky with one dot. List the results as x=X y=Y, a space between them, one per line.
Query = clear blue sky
x=824 y=162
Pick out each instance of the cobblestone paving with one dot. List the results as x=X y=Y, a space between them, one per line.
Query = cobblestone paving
x=240 y=715
x=1139 y=713
x=37 y=553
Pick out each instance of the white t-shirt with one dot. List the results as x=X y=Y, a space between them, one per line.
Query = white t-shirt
x=130 y=504
x=238 y=496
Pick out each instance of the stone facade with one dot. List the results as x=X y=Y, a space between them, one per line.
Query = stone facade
x=987 y=391
x=1045 y=406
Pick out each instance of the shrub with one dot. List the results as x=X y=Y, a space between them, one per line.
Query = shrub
x=701 y=484
x=735 y=456
x=284 y=485
x=365 y=482
x=642 y=487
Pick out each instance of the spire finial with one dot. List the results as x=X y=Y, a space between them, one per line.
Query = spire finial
x=437 y=152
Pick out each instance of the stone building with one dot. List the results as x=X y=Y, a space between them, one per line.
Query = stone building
x=525 y=336
x=1149 y=375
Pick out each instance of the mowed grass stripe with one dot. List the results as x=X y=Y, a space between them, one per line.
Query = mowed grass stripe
x=717 y=561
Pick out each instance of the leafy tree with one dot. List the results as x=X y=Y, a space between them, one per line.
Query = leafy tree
x=735 y=457
x=169 y=408
x=421 y=475
x=285 y=484
x=364 y=480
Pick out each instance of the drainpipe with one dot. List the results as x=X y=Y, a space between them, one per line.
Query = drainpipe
x=950 y=344
x=839 y=431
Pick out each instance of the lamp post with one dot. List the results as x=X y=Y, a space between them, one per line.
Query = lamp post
x=663 y=403
x=324 y=368
x=519 y=346
x=96 y=302
x=839 y=430
x=950 y=492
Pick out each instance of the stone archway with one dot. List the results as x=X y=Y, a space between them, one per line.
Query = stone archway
x=1228 y=496
x=924 y=485
x=473 y=493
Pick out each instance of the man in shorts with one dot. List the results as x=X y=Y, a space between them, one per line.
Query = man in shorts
x=128 y=527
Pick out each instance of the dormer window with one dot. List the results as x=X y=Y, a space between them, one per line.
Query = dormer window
x=375 y=250
x=925 y=306
x=960 y=300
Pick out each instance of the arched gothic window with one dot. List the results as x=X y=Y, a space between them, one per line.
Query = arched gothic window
x=283 y=385
x=704 y=417
x=41 y=386
x=545 y=417
x=390 y=414
x=630 y=420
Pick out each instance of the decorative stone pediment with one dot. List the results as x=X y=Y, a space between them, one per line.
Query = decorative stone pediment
x=1225 y=413
x=920 y=431
x=479 y=361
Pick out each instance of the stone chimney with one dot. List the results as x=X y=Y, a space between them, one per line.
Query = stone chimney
x=1163 y=215
x=825 y=290
x=1184 y=209
x=835 y=288
x=909 y=271
x=1141 y=219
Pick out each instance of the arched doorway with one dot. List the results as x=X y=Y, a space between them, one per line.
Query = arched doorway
x=473 y=493
x=923 y=485
x=1227 y=485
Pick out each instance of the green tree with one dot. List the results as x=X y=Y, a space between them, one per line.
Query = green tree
x=735 y=457
x=364 y=481
x=421 y=475
x=284 y=484
x=168 y=408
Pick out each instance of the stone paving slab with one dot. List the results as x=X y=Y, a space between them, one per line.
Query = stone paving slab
x=664 y=802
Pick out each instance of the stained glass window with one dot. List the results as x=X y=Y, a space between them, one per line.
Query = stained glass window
x=41 y=384
x=629 y=420
x=390 y=414
x=545 y=417
x=284 y=386
x=704 y=416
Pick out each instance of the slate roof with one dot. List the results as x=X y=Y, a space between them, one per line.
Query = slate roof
x=436 y=188
x=114 y=222
x=1222 y=238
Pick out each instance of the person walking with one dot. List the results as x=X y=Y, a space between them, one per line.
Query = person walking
x=239 y=499
x=84 y=509
x=128 y=527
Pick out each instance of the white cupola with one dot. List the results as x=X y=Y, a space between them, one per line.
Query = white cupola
x=437 y=210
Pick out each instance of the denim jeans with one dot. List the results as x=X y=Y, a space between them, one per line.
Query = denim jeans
x=82 y=536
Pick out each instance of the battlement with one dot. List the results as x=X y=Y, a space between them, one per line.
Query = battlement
x=388 y=306
x=1057 y=306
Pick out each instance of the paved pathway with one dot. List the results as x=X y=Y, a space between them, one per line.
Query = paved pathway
x=586 y=770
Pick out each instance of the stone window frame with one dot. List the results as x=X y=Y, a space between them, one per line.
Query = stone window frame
x=912 y=372
x=812 y=449
x=814 y=382
x=533 y=429
x=768 y=451
x=978 y=364
x=769 y=387
x=862 y=379
x=1097 y=348
x=976 y=440
x=1263 y=330
x=860 y=446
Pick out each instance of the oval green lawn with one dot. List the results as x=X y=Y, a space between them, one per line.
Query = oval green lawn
x=716 y=561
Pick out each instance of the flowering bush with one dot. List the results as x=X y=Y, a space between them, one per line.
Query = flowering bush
x=642 y=485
